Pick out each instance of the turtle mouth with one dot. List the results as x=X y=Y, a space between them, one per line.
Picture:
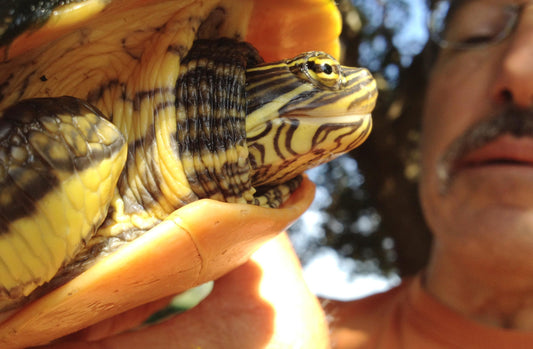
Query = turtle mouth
x=319 y=119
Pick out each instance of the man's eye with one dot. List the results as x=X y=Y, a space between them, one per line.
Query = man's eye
x=474 y=22
x=477 y=39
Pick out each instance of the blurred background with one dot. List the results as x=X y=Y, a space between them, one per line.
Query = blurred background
x=365 y=229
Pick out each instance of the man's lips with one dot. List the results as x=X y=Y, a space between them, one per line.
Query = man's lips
x=502 y=141
x=505 y=150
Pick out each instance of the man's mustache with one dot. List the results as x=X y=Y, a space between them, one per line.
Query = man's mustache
x=509 y=120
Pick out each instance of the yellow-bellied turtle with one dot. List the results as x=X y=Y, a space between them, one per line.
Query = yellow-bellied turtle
x=118 y=116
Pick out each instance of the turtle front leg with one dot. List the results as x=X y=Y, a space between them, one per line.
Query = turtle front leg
x=60 y=160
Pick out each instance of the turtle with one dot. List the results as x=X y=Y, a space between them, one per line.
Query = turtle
x=131 y=129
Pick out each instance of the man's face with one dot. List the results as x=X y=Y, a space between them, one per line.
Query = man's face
x=477 y=145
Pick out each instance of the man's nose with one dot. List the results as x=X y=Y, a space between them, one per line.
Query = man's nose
x=514 y=80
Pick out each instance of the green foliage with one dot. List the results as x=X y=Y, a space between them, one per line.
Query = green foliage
x=182 y=302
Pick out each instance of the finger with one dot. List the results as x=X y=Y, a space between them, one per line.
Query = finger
x=119 y=323
x=233 y=316
x=264 y=303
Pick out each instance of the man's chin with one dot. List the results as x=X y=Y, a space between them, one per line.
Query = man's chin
x=509 y=185
x=497 y=201
x=490 y=224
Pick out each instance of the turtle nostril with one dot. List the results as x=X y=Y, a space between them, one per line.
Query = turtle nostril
x=506 y=96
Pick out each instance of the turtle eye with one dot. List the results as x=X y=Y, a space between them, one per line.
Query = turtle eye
x=327 y=69
x=323 y=71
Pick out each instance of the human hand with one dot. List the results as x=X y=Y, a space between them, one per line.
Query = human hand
x=264 y=303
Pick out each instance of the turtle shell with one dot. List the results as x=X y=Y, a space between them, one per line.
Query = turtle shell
x=277 y=28
x=186 y=249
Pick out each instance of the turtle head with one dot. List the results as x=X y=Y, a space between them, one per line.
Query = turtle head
x=303 y=112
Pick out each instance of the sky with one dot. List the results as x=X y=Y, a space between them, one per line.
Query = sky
x=327 y=273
